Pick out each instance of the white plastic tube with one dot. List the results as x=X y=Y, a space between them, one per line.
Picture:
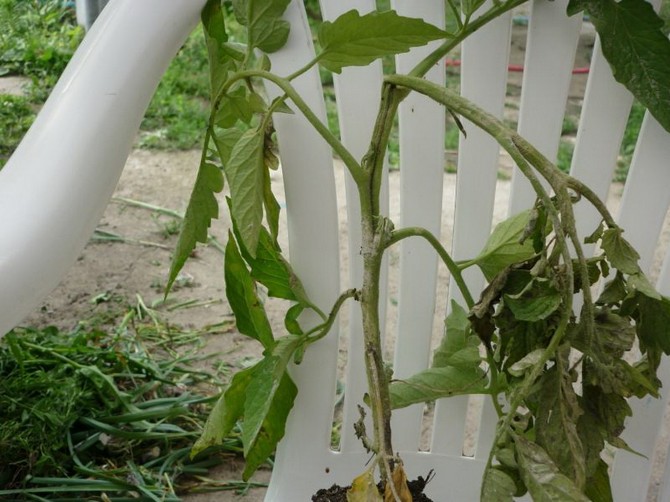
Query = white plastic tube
x=57 y=184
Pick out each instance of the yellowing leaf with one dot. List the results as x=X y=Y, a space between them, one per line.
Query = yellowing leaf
x=400 y=484
x=364 y=489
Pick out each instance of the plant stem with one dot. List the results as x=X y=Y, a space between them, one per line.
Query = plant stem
x=454 y=269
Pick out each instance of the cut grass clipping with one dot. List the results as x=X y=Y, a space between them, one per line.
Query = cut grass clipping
x=111 y=415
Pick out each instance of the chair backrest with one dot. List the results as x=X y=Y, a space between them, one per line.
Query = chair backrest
x=305 y=460
x=62 y=154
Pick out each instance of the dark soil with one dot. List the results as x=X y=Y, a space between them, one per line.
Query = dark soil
x=338 y=493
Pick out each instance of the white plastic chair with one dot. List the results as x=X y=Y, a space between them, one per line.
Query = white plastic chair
x=59 y=180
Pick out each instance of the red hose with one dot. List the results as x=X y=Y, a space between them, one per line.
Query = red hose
x=518 y=68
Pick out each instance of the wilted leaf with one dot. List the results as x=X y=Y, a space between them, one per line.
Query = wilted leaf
x=355 y=40
x=613 y=292
x=598 y=486
x=536 y=302
x=435 y=383
x=399 y=480
x=633 y=43
x=469 y=7
x=364 y=489
x=457 y=347
x=269 y=399
x=503 y=247
x=273 y=428
x=525 y=363
x=234 y=106
x=245 y=173
x=640 y=282
x=265 y=27
x=619 y=252
x=249 y=312
x=214 y=27
x=497 y=486
x=227 y=410
x=542 y=477
x=202 y=208
x=653 y=327
x=556 y=424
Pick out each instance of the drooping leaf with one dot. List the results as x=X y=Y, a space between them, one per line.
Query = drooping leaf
x=458 y=347
x=227 y=410
x=653 y=327
x=220 y=62
x=469 y=7
x=202 y=208
x=249 y=312
x=526 y=363
x=613 y=292
x=225 y=140
x=640 y=282
x=272 y=207
x=556 y=424
x=245 y=172
x=615 y=334
x=355 y=40
x=263 y=18
x=399 y=480
x=619 y=252
x=234 y=106
x=364 y=489
x=269 y=399
x=503 y=247
x=633 y=43
x=537 y=301
x=598 y=486
x=273 y=428
x=436 y=383
x=543 y=479
x=271 y=269
x=497 y=486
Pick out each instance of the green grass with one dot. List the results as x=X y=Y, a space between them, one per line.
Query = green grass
x=16 y=115
x=108 y=407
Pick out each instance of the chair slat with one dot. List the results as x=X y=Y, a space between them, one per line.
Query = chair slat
x=601 y=127
x=421 y=128
x=550 y=55
x=311 y=211
x=483 y=80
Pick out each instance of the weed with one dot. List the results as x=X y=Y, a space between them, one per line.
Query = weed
x=16 y=116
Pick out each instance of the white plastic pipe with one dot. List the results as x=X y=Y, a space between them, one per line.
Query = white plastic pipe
x=57 y=184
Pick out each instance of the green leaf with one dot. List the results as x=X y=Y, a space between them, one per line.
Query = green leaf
x=469 y=7
x=249 y=312
x=272 y=207
x=435 y=383
x=539 y=473
x=640 y=282
x=613 y=292
x=503 y=247
x=633 y=43
x=269 y=400
x=458 y=346
x=265 y=27
x=234 y=106
x=598 y=486
x=272 y=270
x=556 y=424
x=245 y=173
x=536 y=302
x=202 y=208
x=227 y=410
x=355 y=40
x=619 y=252
x=497 y=486
x=221 y=60
x=225 y=140
x=653 y=327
